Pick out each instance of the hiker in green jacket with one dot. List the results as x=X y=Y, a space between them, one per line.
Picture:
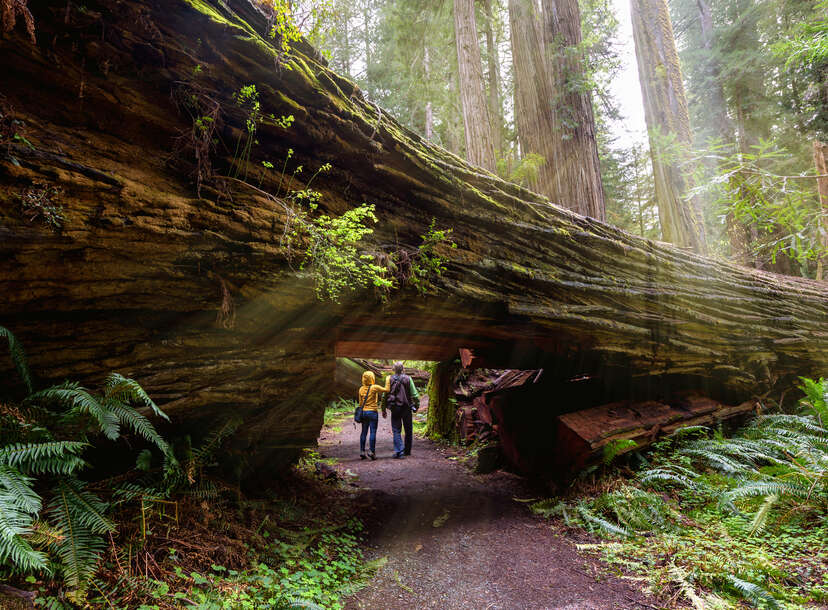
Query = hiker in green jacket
x=402 y=399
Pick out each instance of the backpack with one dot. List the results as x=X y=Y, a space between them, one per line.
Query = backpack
x=398 y=392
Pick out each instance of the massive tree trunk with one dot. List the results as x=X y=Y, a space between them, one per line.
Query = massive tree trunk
x=668 y=123
x=534 y=116
x=578 y=172
x=480 y=148
x=143 y=277
x=495 y=105
x=440 y=420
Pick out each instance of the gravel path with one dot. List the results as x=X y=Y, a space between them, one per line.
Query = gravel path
x=458 y=540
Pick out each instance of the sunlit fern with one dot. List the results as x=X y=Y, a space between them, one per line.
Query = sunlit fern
x=75 y=517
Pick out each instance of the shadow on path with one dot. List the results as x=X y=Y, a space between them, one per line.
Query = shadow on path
x=457 y=540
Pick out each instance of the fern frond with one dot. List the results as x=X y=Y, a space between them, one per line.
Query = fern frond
x=672 y=474
x=18 y=357
x=20 y=487
x=760 y=519
x=598 y=524
x=15 y=523
x=54 y=457
x=19 y=505
x=139 y=424
x=125 y=390
x=80 y=402
x=766 y=488
x=79 y=515
x=752 y=592
x=683 y=581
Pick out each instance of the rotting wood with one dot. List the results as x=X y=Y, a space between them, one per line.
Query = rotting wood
x=581 y=436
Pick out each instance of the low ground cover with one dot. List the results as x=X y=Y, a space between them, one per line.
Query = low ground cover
x=718 y=521
x=167 y=529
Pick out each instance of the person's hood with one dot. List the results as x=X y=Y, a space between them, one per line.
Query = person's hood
x=368 y=378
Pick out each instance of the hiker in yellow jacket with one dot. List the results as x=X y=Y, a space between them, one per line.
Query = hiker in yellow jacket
x=370 y=417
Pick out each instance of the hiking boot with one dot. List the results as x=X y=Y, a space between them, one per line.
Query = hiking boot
x=362 y=456
x=406 y=453
x=372 y=455
x=398 y=456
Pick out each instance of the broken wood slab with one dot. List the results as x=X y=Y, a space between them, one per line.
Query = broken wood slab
x=581 y=436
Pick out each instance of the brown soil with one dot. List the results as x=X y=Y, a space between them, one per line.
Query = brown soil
x=458 y=540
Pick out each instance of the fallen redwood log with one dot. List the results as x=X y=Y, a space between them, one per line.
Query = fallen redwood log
x=195 y=297
x=582 y=437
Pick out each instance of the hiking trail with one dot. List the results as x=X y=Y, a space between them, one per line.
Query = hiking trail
x=455 y=540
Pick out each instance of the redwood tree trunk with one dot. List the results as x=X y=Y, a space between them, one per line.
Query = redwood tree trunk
x=440 y=420
x=534 y=117
x=495 y=105
x=665 y=110
x=578 y=172
x=476 y=122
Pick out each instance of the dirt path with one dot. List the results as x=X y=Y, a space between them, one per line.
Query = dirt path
x=458 y=540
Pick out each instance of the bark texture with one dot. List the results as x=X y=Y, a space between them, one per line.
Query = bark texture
x=578 y=183
x=197 y=300
x=668 y=122
x=480 y=148
x=534 y=115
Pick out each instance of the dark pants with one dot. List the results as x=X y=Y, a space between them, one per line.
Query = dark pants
x=398 y=422
x=370 y=419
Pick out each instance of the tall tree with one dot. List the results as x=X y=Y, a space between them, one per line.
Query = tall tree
x=534 y=117
x=480 y=148
x=577 y=169
x=493 y=61
x=668 y=123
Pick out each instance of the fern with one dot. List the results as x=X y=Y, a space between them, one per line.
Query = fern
x=76 y=518
x=127 y=390
x=681 y=578
x=760 y=519
x=615 y=448
x=752 y=592
x=19 y=486
x=55 y=457
x=16 y=518
x=79 y=401
x=79 y=515
x=140 y=425
x=18 y=357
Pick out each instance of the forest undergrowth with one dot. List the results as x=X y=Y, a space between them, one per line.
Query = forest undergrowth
x=170 y=532
x=708 y=520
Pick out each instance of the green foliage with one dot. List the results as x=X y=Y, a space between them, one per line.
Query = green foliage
x=524 y=171
x=44 y=441
x=247 y=100
x=615 y=448
x=305 y=569
x=18 y=357
x=784 y=210
x=333 y=252
x=428 y=264
x=338 y=410
x=40 y=203
x=714 y=518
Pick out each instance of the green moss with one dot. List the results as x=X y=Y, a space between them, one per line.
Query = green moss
x=210 y=11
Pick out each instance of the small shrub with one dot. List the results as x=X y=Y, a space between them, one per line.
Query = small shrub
x=39 y=203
